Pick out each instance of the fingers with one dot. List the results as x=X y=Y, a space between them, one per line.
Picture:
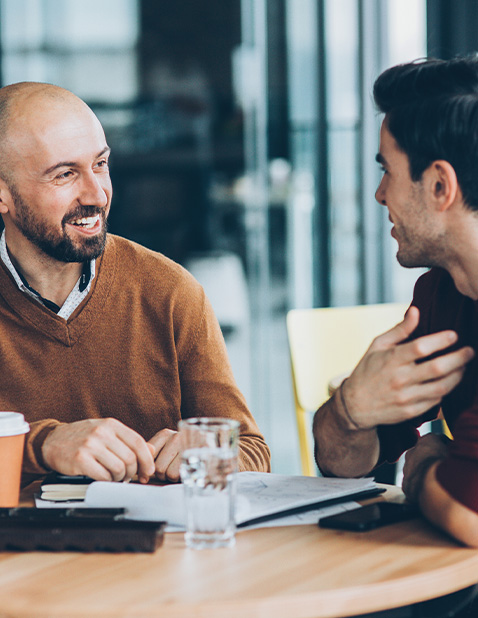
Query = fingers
x=440 y=367
x=113 y=459
x=429 y=345
x=103 y=449
x=166 y=445
x=391 y=385
x=126 y=452
x=409 y=400
x=419 y=348
x=140 y=459
x=85 y=464
x=442 y=373
x=107 y=450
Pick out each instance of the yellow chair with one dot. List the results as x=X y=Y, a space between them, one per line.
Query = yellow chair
x=324 y=344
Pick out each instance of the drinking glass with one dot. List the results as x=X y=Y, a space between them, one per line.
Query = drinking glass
x=209 y=448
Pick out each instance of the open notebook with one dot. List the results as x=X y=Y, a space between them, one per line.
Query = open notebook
x=260 y=496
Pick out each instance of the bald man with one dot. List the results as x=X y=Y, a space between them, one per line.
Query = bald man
x=104 y=344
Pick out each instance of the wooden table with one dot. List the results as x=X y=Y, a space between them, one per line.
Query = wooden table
x=299 y=571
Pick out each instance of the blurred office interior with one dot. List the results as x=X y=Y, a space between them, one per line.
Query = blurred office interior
x=243 y=141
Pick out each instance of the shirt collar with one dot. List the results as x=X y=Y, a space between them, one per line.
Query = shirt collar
x=88 y=272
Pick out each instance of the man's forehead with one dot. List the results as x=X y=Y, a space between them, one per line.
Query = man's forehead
x=43 y=115
x=40 y=110
x=45 y=139
x=384 y=132
x=387 y=141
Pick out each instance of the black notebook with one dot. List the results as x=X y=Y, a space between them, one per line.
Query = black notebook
x=58 y=487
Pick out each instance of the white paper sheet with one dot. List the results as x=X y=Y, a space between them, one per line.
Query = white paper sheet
x=258 y=494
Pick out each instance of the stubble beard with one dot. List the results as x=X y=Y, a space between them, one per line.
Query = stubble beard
x=417 y=251
x=59 y=245
x=419 y=245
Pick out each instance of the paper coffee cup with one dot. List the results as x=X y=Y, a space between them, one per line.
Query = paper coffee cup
x=12 y=437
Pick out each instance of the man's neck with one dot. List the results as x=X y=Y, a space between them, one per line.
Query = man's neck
x=52 y=279
x=462 y=253
x=465 y=278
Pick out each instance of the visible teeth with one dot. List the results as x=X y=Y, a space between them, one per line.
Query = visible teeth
x=86 y=221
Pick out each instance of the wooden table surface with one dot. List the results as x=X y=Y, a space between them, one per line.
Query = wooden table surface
x=299 y=571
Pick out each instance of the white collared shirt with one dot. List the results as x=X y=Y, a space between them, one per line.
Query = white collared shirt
x=75 y=297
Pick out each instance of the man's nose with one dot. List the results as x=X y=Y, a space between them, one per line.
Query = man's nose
x=94 y=191
x=380 y=195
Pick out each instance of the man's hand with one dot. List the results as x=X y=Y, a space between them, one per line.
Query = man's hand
x=428 y=450
x=166 y=448
x=103 y=449
x=390 y=385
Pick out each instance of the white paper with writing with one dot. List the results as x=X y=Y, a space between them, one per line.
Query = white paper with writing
x=258 y=494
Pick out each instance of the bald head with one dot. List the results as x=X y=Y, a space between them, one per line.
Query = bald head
x=27 y=104
x=24 y=95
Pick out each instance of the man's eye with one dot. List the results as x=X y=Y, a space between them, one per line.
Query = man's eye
x=65 y=175
x=102 y=163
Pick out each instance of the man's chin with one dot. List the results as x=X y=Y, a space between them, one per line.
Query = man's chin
x=90 y=250
x=73 y=251
x=408 y=261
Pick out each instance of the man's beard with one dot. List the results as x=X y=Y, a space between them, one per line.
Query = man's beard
x=417 y=251
x=56 y=244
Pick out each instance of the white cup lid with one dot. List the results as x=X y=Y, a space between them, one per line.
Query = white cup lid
x=12 y=424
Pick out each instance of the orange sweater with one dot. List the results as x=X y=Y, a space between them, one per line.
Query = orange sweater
x=143 y=347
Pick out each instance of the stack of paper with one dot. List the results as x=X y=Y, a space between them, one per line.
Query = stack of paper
x=260 y=496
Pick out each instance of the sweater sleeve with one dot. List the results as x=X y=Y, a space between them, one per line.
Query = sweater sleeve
x=208 y=387
x=33 y=463
x=395 y=440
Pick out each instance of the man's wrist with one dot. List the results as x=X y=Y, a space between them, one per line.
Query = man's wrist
x=43 y=455
x=348 y=420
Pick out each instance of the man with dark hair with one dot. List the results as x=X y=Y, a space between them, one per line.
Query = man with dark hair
x=104 y=345
x=429 y=156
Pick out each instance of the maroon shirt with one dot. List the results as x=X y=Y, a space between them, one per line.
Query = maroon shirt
x=442 y=307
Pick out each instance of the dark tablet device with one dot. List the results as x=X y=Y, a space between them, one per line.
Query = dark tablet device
x=87 y=530
x=370 y=517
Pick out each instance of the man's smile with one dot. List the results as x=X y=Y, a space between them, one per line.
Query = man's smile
x=87 y=222
x=90 y=226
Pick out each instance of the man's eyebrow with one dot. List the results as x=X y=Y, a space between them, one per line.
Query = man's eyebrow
x=379 y=158
x=51 y=169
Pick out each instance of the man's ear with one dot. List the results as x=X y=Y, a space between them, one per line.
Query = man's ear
x=443 y=184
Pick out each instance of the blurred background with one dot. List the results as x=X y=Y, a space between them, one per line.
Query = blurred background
x=243 y=139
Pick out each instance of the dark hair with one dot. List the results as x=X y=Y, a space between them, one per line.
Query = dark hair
x=431 y=110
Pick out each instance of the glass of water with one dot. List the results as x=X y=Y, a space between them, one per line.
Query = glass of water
x=208 y=469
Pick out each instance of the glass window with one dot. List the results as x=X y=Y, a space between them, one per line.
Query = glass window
x=243 y=137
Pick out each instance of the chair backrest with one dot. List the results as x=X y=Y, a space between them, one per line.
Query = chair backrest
x=326 y=343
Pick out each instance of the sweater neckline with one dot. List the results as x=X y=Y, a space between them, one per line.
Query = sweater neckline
x=66 y=331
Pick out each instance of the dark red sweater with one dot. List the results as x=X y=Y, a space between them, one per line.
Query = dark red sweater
x=442 y=307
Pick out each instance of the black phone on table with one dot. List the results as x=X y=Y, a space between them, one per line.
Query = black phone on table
x=370 y=516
